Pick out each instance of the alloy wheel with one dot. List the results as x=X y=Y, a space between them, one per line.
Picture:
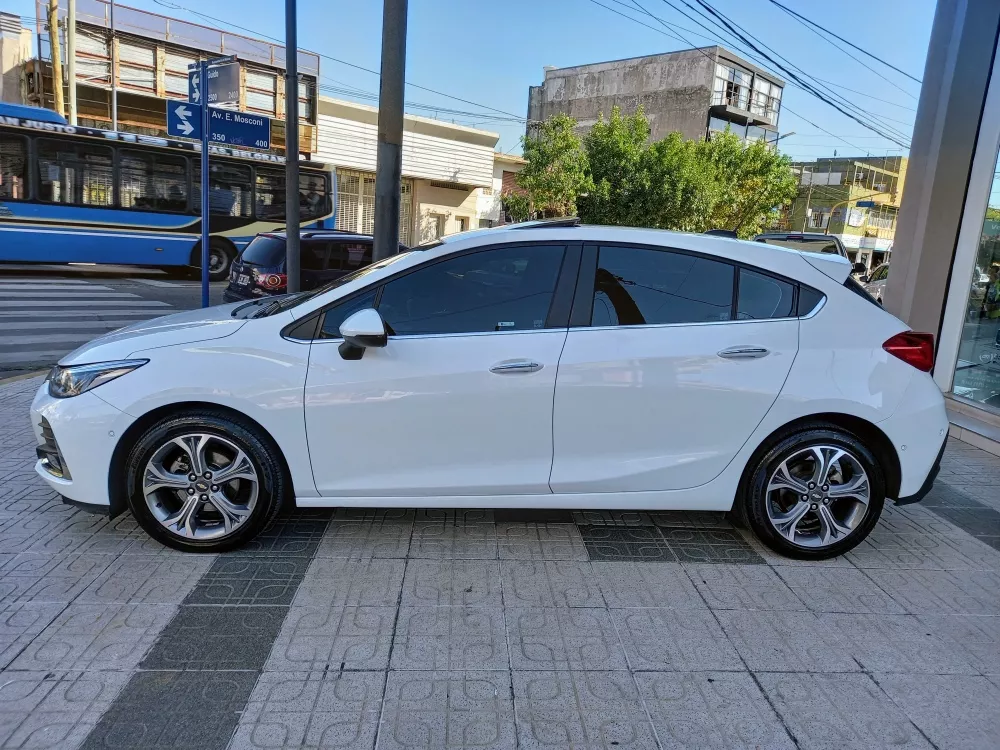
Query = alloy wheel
x=818 y=496
x=200 y=486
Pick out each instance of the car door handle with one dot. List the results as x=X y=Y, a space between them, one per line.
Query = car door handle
x=744 y=352
x=512 y=366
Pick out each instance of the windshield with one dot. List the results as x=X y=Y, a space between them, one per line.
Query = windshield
x=264 y=250
x=292 y=300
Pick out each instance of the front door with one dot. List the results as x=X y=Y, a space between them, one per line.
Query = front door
x=659 y=387
x=459 y=403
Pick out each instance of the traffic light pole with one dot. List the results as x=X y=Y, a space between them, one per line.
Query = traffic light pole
x=292 y=224
x=389 y=166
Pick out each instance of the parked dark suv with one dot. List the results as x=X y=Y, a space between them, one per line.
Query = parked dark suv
x=325 y=256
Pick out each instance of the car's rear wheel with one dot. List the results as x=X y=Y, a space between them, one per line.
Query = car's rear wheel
x=815 y=494
x=203 y=482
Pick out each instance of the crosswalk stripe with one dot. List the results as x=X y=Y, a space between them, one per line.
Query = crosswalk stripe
x=52 y=287
x=82 y=303
x=50 y=338
x=92 y=315
x=96 y=324
x=34 y=279
x=62 y=295
x=157 y=283
x=51 y=356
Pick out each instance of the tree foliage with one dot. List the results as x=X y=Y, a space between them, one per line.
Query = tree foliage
x=556 y=172
x=620 y=178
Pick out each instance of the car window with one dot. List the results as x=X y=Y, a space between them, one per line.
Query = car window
x=336 y=315
x=501 y=289
x=264 y=250
x=881 y=274
x=809 y=298
x=762 y=297
x=347 y=256
x=313 y=254
x=642 y=286
x=806 y=244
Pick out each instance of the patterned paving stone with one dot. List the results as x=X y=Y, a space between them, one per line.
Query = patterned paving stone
x=245 y=580
x=563 y=638
x=472 y=709
x=156 y=581
x=977 y=636
x=335 y=638
x=447 y=541
x=711 y=710
x=470 y=583
x=326 y=709
x=537 y=583
x=585 y=710
x=743 y=587
x=20 y=623
x=371 y=583
x=99 y=637
x=54 y=709
x=450 y=639
x=635 y=584
x=540 y=541
x=50 y=578
x=942 y=591
x=837 y=590
x=674 y=639
x=839 y=711
x=364 y=540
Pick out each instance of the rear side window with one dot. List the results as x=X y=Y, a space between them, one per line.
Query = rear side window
x=809 y=300
x=348 y=256
x=644 y=286
x=313 y=255
x=264 y=251
x=762 y=297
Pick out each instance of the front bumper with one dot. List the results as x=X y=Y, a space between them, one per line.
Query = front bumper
x=85 y=430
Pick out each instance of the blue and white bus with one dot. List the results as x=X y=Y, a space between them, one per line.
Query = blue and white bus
x=80 y=195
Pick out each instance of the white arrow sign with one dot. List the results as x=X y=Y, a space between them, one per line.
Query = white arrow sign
x=194 y=94
x=184 y=113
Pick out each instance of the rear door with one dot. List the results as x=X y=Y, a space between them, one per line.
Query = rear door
x=313 y=254
x=347 y=256
x=664 y=375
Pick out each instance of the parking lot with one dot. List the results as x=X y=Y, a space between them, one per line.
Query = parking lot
x=496 y=629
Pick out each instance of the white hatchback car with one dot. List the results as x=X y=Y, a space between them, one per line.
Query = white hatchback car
x=536 y=366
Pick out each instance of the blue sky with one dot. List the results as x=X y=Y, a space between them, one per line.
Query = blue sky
x=489 y=53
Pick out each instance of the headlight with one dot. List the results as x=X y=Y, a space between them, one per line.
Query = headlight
x=73 y=380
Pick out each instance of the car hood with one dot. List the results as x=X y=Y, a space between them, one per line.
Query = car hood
x=180 y=328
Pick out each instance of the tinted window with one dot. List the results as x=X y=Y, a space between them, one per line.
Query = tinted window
x=270 y=200
x=806 y=244
x=881 y=274
x=78 y=173
x=336 y=315
x=347 y=256
x=639 y=286
x=313 y=255
x=153 y=181
x=762 y=297
x=229 y=188
x=312 y=197
x=13 y=167
x=809 y=298
x=264 y=251
x=505 y=289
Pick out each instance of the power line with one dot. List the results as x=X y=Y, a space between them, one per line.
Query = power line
x=804 y=20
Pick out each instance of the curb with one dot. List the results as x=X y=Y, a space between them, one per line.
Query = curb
x=23 y=376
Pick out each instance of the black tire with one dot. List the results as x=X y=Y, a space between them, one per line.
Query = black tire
x=752 y=508
x=221 y=257
x=264 y=456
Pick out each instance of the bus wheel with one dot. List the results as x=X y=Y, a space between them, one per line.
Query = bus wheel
x=220 y=260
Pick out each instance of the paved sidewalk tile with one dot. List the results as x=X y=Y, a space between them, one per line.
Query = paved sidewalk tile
x=563 y=638
x=448 y=541
x=21 y=623
x=159 y=580
x=551 y=583
x=977 y=636
x=720 y=710
x=839 y=712
x=540 y=541
x=470 y=583
x=472 y=709
x=680 y=640
x=370 y=583
x=585 y=710
x=333 y=638
x=450 y=639
x=364 y=540
x=636 y=584
x=742 y=587
x=837 y=590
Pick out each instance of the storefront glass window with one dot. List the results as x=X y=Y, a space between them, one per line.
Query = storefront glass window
x=977 y=374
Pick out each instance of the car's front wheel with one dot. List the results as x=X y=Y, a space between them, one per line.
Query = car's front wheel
x=815 y=494
x=202 y=482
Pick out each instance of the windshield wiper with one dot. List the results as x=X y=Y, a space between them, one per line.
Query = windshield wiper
x=272 y=307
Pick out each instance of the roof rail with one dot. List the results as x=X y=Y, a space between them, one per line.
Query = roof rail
x=562 y=221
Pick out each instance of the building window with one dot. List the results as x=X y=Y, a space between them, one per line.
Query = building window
x=732 y=87
x=356 y=204
x=766 y=100
x=462 y=223
x=717 y=124
x=819 y=220
x=977 y=372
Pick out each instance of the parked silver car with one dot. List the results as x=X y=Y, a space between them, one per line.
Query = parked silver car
x=874 y=283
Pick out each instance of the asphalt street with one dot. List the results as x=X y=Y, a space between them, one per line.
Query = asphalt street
x=47 y=311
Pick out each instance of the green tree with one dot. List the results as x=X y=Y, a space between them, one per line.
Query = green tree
x=616 y=150
x=682 y=189
x=556 y=172
x=517 y=204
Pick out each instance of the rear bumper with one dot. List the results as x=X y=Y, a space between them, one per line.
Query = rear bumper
x=925 y=488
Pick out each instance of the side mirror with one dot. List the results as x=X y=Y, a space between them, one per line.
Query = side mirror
x=863 y=279
x=362 y=330
x=860 y=268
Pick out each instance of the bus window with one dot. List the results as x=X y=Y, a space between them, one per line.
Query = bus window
x=153 y=181
x=270 y=194
x=75 y=173
x=229 y=188
x=13 y=167
x=312 y=197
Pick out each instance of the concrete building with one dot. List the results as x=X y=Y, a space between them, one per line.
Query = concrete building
x=693 y=91
x=833 y=197
x=490 y=203
x=449 y=171
x=15 y=50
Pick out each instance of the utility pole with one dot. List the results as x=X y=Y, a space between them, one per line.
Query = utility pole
x=71 y=60
x=292 y=224
x=57 y=77
x=389 y=163
x=113 y=54
x=809 y=195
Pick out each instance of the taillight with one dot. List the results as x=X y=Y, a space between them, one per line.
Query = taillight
x=916 y=349
x=274 y=280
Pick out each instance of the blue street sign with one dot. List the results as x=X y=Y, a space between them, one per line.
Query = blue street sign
x=231 y=128
x=866 y=204
x=183 y=120
x=223 y=85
